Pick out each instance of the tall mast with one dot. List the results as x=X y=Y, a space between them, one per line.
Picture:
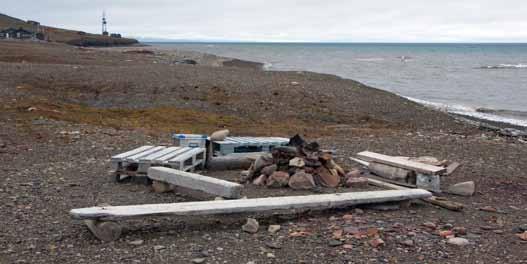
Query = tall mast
x=104 y=29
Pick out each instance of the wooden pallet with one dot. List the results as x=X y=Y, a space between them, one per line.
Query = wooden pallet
x=247 y=144
x=137 y=161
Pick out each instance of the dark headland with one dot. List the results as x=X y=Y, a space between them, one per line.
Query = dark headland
x=60 y=35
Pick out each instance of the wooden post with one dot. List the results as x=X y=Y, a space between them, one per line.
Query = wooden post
x=194 y=181
x=432 y=199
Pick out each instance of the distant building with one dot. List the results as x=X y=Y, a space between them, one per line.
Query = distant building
x=12 y=33
x=34 y=23
x=115 y=35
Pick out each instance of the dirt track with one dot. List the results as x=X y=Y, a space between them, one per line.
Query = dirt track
x=55 y=158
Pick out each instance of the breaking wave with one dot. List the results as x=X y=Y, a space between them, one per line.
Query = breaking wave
x=505 y=66
x=370 y=59
x=502 y=116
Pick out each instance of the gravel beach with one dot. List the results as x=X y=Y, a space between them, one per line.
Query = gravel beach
x=66 y=110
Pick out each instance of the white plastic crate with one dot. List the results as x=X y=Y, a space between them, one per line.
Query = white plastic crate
x=190 y=140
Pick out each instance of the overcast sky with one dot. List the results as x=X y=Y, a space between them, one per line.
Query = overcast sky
x=289 y=20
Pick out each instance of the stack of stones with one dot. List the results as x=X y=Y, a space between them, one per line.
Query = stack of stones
x=300 y=165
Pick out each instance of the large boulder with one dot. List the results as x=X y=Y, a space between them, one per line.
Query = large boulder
x=301 y=181
x=327 y=177
x=269 y=170
x=219 y=135
x=278 y=179
x=463 y=188
x=357 y=182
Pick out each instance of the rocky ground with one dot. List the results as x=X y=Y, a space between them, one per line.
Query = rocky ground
x=65 y=111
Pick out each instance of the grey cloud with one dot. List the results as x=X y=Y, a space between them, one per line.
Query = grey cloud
x=289 y=20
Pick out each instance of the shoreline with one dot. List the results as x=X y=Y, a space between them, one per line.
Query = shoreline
x=492 y=120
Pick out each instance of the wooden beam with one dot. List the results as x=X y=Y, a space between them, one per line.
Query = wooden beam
x=195 y=181
x=320 y=201
x=401 y=163
x=431 y=199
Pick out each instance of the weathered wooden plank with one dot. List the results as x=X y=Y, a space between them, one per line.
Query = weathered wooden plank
x=320 y=201
x=187 y=155
x=401 y=163
x=173 y=154
x=131 y=153
x=432 y=199
x=452 y=167
x=196 y=182
x=137 y=156
x=158 y=154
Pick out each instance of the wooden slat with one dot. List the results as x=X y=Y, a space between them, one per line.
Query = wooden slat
x=137 y=156
x=173 y=154
x=401 y=163
x=131 y=153
x=195 y=181
x=432 y=199
x=320 y=201
x=187 y=155
x=158 y=154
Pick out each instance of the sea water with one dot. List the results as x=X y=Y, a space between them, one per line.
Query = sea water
x=488 y=81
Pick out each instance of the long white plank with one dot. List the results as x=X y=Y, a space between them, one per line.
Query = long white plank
x=195 y=181
x=131 y=152
x=401 y=163
x=320 y=201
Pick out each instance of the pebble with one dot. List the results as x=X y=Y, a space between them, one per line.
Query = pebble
x=159 y=247
x=198 y=260
x=251 y=226
x=430 y=225
x=463 y=188
x=270 y=255
x=488 y=209
x=335 y=243
x=459 y=230
x=137 y=242
x=273 y=229
x=376 y=242
x=273 y=245
x=458 y=241
x=408 y=242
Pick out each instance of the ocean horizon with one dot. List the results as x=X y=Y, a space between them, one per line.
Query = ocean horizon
x=483 y=80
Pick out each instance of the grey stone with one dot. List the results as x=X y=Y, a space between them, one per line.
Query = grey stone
x=463 y=188
x=251 y=226
x=458 y=241
x=269 y=170
x=278 y=179
x=335 y=243
x=273 y=228
x=301 y=181
x=219 y=135
x=297 y=162
x=137 y=242
x=198 y=260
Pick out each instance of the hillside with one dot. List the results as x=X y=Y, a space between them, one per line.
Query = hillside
x=72 y=37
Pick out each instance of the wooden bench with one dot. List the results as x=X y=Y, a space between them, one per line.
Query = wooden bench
x=135 y=163
x=428 y=176
x=100 y=220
